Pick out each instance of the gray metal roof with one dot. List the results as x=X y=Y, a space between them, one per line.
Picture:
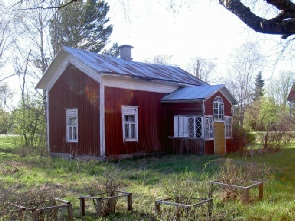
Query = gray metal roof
x=197 y=93
x=112 y=65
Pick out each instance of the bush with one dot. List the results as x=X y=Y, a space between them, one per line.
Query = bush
x=239 y=173
x=242 y=137
x=185 y=189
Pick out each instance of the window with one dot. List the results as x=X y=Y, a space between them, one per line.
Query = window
x=188 y=126
x=228 y=126
x=130 y=123
x=72 y=125
x=209 y=132
x=218 y=108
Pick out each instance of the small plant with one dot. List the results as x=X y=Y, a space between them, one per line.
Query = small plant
x=240 y=173
x=106 y=186
x=184 y=191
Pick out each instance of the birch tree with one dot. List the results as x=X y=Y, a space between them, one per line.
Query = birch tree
x=244 y=63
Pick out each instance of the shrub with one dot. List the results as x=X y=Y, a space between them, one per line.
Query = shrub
x=241 y=137
x=106 y=186
x=185 y=189
x=239 y=172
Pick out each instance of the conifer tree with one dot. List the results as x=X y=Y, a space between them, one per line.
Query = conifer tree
x=82 y=24
x=259 y=84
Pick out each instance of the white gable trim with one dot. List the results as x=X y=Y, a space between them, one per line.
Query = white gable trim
x=136 y=84
x=78 y=64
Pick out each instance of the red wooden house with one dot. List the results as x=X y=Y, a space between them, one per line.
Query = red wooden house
x=101 y=106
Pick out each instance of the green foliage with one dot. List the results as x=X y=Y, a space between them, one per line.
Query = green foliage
x=242 y=137
x=82 y=24
x=259 y=84
x=29 y=121
x=4 y=121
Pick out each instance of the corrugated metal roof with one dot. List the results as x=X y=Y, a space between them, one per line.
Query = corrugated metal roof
x=196 y=93
x=112 y=65
x=291 y=95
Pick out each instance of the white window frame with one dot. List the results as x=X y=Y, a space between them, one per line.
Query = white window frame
x=128 y=125
x=218 y=109
x=209 y=130
x=183 y=126
x=72 y=129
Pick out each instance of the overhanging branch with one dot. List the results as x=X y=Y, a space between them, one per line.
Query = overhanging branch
x=283 y=24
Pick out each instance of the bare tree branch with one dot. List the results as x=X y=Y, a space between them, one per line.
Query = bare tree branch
x=283 y=24
x=49 y=7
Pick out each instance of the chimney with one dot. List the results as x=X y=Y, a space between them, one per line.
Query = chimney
x=125 y=52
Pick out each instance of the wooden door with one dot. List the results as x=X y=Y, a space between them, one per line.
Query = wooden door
x=219 y=138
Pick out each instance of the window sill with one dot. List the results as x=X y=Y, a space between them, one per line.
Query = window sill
x=130 y=140
x=72 y=141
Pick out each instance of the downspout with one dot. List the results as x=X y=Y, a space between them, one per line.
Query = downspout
x=204 y=126
x=102 y=119
x=47 y=119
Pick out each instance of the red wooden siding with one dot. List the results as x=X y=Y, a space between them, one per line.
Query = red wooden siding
x=184 y=146
x=74 y=89
x=171 y=109
x=209 y=147
x=175 y=145
x=209 y=104
x=149 y=121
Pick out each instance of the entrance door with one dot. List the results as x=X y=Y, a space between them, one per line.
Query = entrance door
x=219 y=138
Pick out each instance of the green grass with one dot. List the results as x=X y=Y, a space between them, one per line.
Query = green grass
x=23 y=168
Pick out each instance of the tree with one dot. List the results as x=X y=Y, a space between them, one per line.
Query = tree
x=201 y=68
x=244 y=62
x=160 y=59
x=283 y=23
x=279 y=87
x=259 y=84
x=81 y=25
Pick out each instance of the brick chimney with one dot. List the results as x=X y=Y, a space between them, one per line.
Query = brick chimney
x=125 y=52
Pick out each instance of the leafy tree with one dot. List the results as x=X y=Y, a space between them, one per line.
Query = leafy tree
x=81 y=25
x=283 y=23
x=29 y=121
x=259 y=84
x=4 y=121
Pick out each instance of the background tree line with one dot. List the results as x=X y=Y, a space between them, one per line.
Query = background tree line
x=32 y=32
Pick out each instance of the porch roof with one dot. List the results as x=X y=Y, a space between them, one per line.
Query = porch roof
x=197 y=93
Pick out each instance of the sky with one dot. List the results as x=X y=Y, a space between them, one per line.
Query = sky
x=198 y=28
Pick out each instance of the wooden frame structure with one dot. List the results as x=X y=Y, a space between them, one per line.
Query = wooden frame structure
x=38 y=212
x=99 y=201
x=246 y=189
x=187 y=207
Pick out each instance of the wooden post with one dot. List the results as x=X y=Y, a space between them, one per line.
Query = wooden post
x=210 y=206
x=129 y=199
x=210 y=195
x=261 y=191
x=246 y=195
x=70 y=212
x=157 y=208
x=99 y=207
x=82 y=206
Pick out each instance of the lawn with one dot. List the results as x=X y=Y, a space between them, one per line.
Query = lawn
x=22 y=169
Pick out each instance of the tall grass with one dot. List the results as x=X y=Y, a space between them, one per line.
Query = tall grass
x=23 y=168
